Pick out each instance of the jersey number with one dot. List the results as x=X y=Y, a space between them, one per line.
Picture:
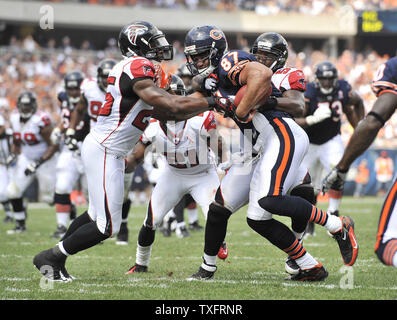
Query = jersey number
x=226 y=64
x=142 y=119
x=106 y=108
x=336 y=108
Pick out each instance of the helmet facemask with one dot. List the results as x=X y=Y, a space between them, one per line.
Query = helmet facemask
x=27 y=107
x=206 y=54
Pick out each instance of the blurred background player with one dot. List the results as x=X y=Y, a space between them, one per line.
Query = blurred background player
x=33 y=153
x=190 y=169
x=384 y=169
x=5 y=142
x=327 y=98
x=69 y=168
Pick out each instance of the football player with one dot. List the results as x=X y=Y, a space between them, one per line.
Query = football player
x=266 y=179
x=189 y=169
x=384 y=86
x=32 y=151
x=69 y=168
x=132 y=98
x=327 y=98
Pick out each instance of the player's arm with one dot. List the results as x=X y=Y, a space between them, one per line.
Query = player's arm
x=167 y=106
x=355 y=109
x=292 y=102
x=78 y=113
x=257 y=77
x=367 y=129
x=136 y=157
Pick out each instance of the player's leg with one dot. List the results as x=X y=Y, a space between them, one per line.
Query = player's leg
x=386 y=237
x=105 y=187
x=192 y=214
x=122 y=236
x=179 y=209
x=167 y=192
x=66 y=177
x=3 y=194
x=231 y=195
x=331 y=153
x=16 y=187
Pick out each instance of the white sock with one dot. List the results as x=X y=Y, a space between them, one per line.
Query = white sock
x=298 y=235
x=333 y=204
x=306 y=261
x=60 y=246
x=210 y=260
x=333 y=224
x=20 y=215
x=181 y=225
x=63 y=218
x=9 y=214
x=143 y=255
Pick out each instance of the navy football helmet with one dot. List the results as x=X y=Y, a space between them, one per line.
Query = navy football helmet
x=275 y=48
x=207 y=42
x=326 y=77
x=27 y=105
x=144 y=39
x=72 y=82
x=103 y=70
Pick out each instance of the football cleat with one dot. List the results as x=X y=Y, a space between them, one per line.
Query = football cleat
x=195 y=226
x=317 y=273
x=182 y=232
x=347 y=241
x=59 y=232
x=291 y=266
x=19 y=227
x=223 y=251
x=122 y=236
x=202 y=274
x=8 y=219
x=50 y=266
x=309 y=231
x=137 y=268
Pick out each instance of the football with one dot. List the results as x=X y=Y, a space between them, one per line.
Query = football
x=241 y=92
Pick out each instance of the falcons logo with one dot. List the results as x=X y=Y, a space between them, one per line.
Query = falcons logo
x=134 y=31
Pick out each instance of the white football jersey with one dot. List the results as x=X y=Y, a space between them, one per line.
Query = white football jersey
x=95 y=98
x=4 y=141
x=123 y=116
x=289 y=78
x=183 y=143
x=28 y=133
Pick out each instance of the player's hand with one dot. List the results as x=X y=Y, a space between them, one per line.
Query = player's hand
x=32 y=167
x=11 y=159
x=211 y=83
x=334 y=180
x=70 y=141
x=56 y=135
x=222 y=105
x=322 y=113
x=223 y=167
x=270 y=104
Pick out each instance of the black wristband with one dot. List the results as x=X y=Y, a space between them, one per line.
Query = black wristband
x=211 y=101
x=377 y=117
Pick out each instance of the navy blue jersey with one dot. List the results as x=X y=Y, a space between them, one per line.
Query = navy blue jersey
x=386 y=78
x=337 y=100
x=66 y=109
x=228 y=73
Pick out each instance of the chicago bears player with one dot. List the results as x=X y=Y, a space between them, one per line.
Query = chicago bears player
x=69 y=168
x=384 y=85
x=277 y=147
x=132 y=98
x=190 y=169
x=33 y=153
x=326 y=99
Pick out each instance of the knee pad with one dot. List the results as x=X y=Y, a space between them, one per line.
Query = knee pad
x=271 y=204
x=386 y=252
x=305 y=191
x=146 y=236
x=216 y=212
x=13 y=191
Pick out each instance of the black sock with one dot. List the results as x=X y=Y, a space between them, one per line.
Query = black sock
x=179 y=210
x=86 y=236
x=81 y=220
x=126 y=209
x=215 y=229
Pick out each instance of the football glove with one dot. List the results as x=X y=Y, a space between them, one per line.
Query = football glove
x=56 y=136
x=334 y=180
x=70 y=141
x=321 y=113
x=211 y=83
x=222 y=105
x=32 y=167
x=11 y=159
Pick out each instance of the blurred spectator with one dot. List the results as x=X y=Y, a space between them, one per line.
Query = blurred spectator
x=362 y=178
x=384 y=172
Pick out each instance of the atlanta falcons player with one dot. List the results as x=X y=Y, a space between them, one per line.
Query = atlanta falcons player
x=190 y=169
x=69 y=166
x=132 y=98
x=33 y=154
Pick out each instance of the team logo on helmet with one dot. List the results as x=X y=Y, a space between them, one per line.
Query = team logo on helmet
x=134 y=31
x=216 y=34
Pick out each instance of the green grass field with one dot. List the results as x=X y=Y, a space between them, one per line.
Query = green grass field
x=254 y=269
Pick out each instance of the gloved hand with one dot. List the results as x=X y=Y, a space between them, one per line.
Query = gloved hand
x=32 y=167
x=11 y=159
x=70 y=141
x=323 y=112
x=335 y=180
x=223 y=167
x=222 y=105
x=56 y=135
x=211 y=83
